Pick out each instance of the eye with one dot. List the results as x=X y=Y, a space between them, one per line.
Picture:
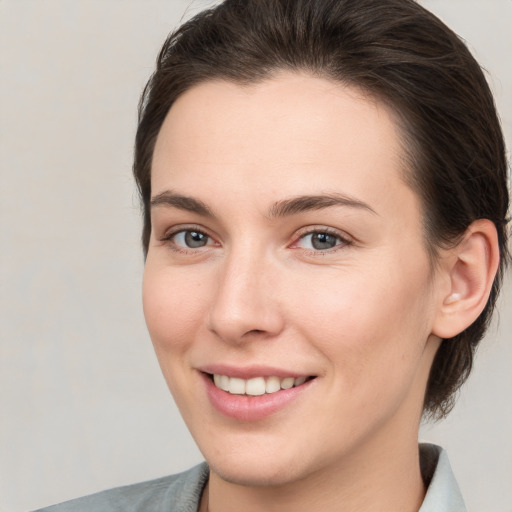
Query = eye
x=190 y=239
x=320 y=241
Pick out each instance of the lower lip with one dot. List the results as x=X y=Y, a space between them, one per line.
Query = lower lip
x=252 y=408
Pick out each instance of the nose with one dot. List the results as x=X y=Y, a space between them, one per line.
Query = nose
x=244 y=306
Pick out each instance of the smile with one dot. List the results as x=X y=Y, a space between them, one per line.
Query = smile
x=256 y=386
x=253 y=394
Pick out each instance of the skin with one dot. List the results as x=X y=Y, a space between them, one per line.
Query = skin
x=361 y=316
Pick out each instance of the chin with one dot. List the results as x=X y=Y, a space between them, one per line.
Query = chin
x=256 y=462
x=253 y=474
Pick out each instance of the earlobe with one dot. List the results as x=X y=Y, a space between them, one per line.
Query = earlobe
x=471 y=267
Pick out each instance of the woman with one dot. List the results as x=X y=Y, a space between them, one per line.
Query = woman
x=324 y=196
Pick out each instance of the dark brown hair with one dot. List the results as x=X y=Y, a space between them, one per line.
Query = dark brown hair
x=396 y=51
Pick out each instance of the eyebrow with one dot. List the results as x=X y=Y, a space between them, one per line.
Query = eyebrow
x=301 y=204
x=189 y=204
x=283 y=208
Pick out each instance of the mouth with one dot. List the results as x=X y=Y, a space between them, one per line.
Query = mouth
x=255 y=393
x=256 y=386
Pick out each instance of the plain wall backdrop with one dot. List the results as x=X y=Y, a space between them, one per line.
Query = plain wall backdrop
x=83 y=406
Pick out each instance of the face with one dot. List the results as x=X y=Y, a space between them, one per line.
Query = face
x=287 y=288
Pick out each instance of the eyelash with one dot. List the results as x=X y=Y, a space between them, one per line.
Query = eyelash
x=169 y=239
x=343 y=241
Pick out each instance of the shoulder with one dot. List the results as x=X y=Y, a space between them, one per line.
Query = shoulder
x=176 y=493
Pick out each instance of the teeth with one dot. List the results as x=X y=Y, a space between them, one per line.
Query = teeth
x=224 y=382
x=221 y=381
x=287 y=383
x=237 y=386
x=273 y=384
x=257 y=385
x=299 y=381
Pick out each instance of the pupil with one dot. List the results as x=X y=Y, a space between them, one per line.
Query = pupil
x=195 y=239
x=323 y=241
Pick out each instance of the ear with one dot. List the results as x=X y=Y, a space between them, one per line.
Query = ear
x=470 y=269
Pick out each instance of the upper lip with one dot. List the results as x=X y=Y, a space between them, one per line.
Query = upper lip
x=249 y=372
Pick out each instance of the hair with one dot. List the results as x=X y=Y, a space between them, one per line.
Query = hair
x=400 y=54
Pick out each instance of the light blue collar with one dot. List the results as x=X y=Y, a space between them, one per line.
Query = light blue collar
x=443 y=493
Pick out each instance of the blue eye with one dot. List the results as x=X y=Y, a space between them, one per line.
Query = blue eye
x=191 y=239
x=320 y=241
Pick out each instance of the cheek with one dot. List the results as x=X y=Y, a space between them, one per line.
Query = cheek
x=368 y=326
x=171 y=307
x=173 y=312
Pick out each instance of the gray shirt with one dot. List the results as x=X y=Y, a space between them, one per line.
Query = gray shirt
x=182 y=492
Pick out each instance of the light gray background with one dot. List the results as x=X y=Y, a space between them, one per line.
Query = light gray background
x=83 y=405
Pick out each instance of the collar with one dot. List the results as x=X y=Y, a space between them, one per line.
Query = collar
x=443 y=493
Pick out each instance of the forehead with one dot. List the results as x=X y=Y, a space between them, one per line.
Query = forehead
x=299 y=105
x=290 y=134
